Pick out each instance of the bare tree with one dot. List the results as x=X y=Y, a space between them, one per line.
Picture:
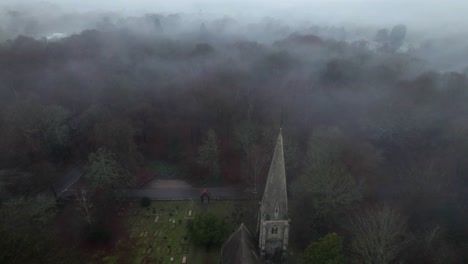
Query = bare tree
x=85 y=204
x=246 y=136
x=208 y=154
x=326 y=182
x=378 y=236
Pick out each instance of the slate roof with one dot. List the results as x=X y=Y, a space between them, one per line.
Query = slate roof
x=240 y=248
x=275 y=201
x=64 y=183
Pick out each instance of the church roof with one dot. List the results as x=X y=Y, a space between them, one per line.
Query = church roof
x=240 y=248
x=275 y=201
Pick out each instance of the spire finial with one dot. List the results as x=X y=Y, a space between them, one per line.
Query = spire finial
x=281 y=119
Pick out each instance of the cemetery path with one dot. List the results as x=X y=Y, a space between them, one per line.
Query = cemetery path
x=163 y=189
x=159 y=189
x=217 y=193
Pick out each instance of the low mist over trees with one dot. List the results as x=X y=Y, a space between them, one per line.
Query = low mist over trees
x=375 y=140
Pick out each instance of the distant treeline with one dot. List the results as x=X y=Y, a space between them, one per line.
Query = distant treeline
x=391 y=131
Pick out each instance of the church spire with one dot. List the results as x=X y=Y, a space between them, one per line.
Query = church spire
x=275 y=202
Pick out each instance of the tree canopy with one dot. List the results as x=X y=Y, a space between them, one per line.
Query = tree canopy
x=208 y=154
x=208 y=229
x=25 y=231
x=365 y=124
x=105 y=172
x=328 y=250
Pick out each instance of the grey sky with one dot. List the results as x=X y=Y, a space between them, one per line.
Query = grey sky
x=442 y=14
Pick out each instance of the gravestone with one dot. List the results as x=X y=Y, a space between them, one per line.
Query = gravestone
x=185 y=249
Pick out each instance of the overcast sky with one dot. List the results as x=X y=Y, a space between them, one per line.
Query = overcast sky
x=417 y=13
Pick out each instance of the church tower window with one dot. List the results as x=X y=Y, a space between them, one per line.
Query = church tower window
x=274 y=230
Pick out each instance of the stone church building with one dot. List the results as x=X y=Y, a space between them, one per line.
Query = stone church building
x=271 y=243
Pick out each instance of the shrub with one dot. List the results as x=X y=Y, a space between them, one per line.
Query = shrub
x=328 y=250
x=145 y=201
x=98 y=233
x=208 y=229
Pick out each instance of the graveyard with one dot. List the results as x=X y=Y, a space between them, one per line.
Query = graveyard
x=159 y=233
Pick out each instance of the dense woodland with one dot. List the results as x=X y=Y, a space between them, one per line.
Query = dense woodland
x=376 y=143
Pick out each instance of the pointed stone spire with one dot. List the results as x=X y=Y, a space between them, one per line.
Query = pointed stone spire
x=275 y=201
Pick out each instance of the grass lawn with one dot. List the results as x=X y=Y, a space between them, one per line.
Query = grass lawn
x=159 y=232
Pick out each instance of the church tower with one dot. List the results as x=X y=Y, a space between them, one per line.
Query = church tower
x=273 y=220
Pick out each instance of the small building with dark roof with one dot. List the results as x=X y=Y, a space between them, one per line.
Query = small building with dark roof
x=205 y=196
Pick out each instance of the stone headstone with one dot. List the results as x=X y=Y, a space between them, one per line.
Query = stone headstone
x=185 y=249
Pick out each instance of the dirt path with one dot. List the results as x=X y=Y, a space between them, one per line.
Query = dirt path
x=161 y=189
x=167 y=184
